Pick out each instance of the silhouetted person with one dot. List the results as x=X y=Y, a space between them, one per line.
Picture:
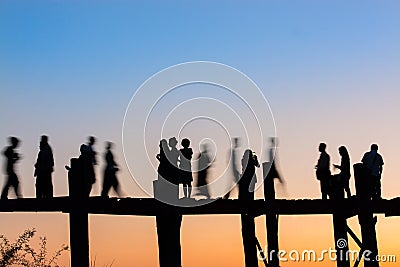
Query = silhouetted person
x=323 y=172
x=12 y=179
x=163 y=167
x=247 y=180
x=185 y=166
x=273 y=159
x=270 y=171
x=110 y=177
x=86 y=168
x=204 y=162
x=44 y=167
x=373 y=162
x=344 y=167
x=173 y=156
x=91 y=153
x=233 y=165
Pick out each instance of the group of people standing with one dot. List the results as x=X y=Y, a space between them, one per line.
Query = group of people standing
x=44 y=167
x=175 y=167
x=335 y=185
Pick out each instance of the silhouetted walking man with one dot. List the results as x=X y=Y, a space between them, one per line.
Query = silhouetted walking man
x=12 y=179
x=43 y=169
x=233 y=166
x=185 y=167
x=344 y=167
x=322 y=170
x=374 y=164
x=204 y=162
x=110 y=177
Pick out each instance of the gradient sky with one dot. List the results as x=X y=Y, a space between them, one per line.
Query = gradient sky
x=329 y=70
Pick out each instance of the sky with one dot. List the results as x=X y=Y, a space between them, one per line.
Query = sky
x=328 y=69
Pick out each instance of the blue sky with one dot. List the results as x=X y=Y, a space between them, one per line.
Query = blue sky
x=330 y=70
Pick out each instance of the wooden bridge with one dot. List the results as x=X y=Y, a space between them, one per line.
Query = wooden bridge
x=169 y=218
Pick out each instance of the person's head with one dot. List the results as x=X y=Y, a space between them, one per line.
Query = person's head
x=163 y=144
x=274 y=141
x=204 y=148
x=44 y=138
x=14 y=141
x=109 y=145
x=172 y=142
x=185 y=143
x=92 y=140
x=235 y=142
x=322 y=147
x=83 y=149
x=247 y=154
x=374 y=147
x=343 y=151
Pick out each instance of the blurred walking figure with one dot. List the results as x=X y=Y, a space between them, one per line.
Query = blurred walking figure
x=273 y=159
x=110 y=177
x=44 y=167
x=322 y=171
x=344 y=167
x=374 y=164
x=248 y=179
x=185 y=167
x=233 y=166
x=270 y=171
x=204 y=162
x=11 y=158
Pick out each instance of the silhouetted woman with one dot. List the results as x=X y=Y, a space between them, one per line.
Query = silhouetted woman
x=185 y=167
x=246 y=182
x=344 y=168
x=164 y=166
x=44 y=166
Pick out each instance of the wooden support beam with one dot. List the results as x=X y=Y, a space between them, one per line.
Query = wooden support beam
x=271 y=217
x=249 y=240
x=341 y=240
x=78 y=217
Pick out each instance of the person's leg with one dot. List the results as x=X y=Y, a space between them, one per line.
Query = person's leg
x=15 y=185
x=323 y=189
x=189 y=185
x=115 y=186
x=4 y=193
x=378 y=193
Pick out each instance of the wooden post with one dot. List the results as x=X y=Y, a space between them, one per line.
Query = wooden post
x=78 y=217
x=249 y=240
x=365 y=216
x=271 y=218
x=169 y=240
x=168 y=225
x=341 y=240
